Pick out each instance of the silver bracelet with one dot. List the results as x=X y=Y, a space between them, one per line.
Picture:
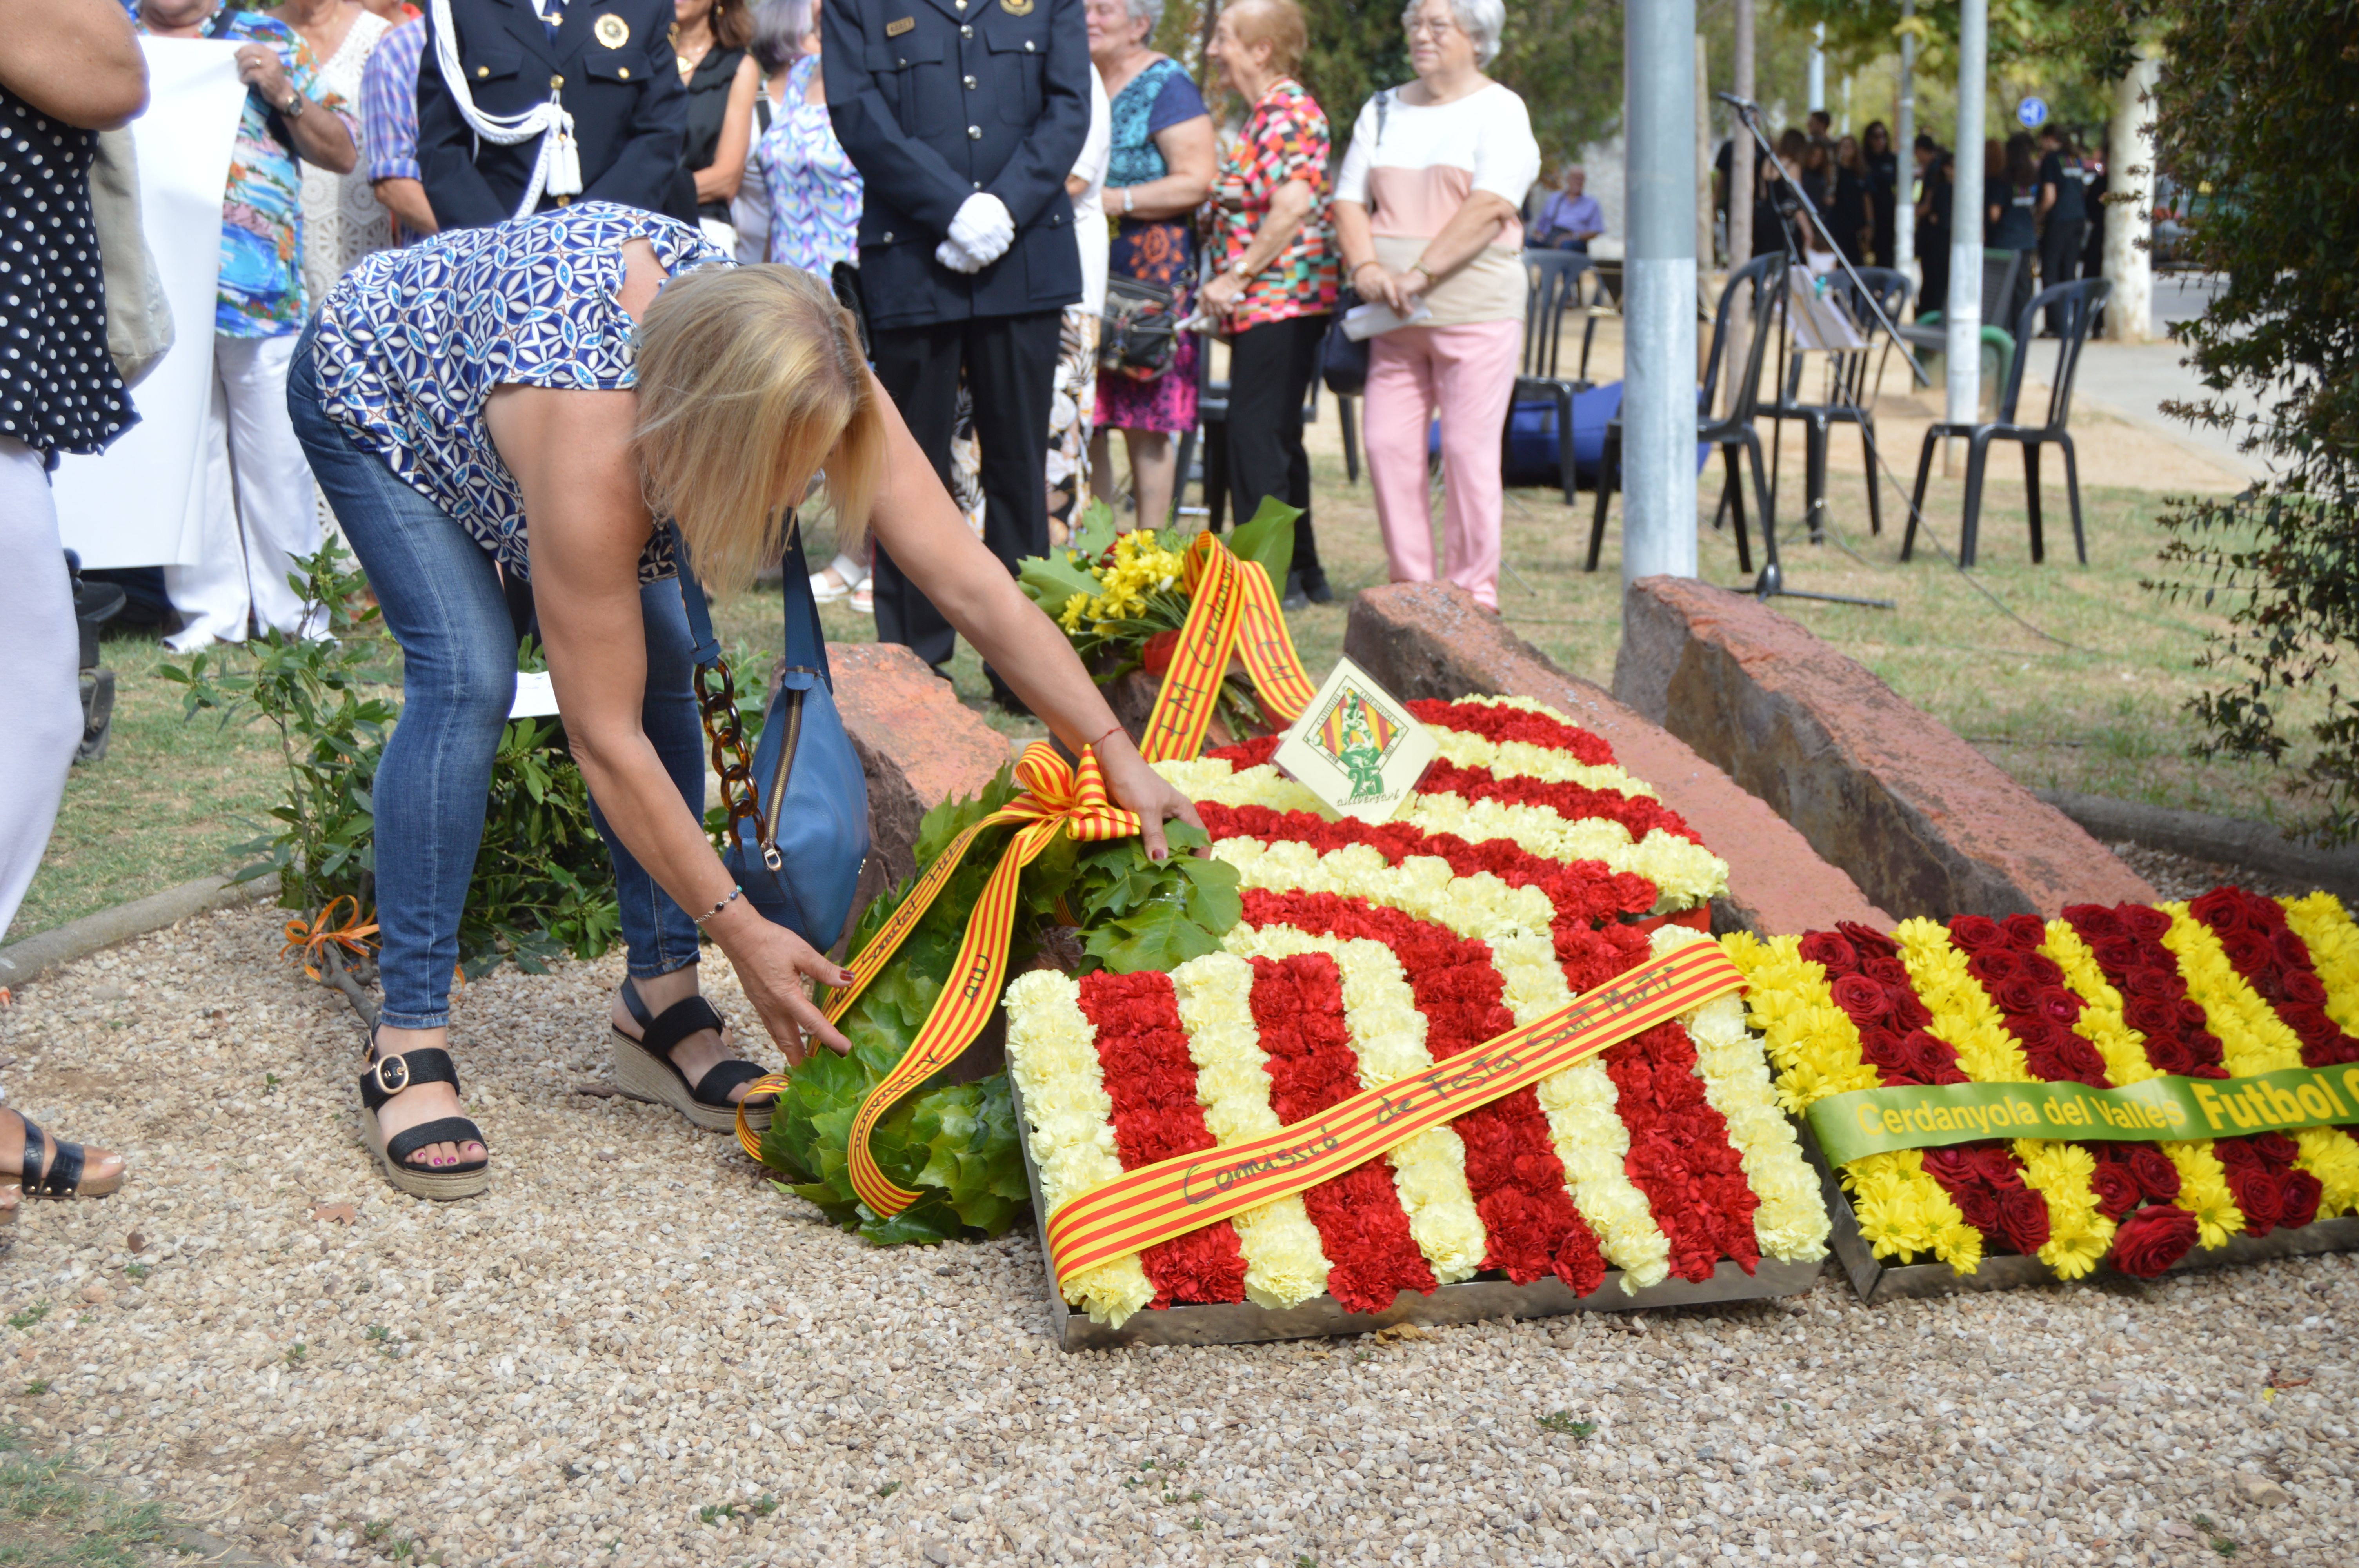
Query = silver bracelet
x=717 y=908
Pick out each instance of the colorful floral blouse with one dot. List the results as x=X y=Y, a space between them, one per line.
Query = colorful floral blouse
x=413 y=341
x=261 y=290
x=815 y=193
x=1284 y=138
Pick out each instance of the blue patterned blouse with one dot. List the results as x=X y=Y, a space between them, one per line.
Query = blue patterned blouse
x=413 y=341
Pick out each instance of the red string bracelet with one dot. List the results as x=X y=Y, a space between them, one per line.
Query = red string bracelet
x=1088 y=745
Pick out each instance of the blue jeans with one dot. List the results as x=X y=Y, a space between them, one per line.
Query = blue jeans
x=442 y=601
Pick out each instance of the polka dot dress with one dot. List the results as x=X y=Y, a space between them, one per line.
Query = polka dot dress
x=57 y=387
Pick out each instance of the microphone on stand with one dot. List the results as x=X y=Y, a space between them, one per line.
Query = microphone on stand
x=1745 y=104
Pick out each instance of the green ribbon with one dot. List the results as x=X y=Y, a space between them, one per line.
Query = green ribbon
x=1916 y=1116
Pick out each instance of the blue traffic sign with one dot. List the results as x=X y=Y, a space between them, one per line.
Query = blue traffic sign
x=2033 y=112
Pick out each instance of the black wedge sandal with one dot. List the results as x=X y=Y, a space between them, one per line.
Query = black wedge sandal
x=63 y=1176
x=387 y=1076
x=644 y=1071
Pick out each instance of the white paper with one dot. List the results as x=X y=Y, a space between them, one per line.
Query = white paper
x=1375 y=317
x=535 y=698
x=139 y=503
x=1820 y=326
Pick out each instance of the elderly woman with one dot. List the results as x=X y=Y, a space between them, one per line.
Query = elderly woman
x=562 y=382
x=1271 y=266
x=1158 y=169
x=1427 y=211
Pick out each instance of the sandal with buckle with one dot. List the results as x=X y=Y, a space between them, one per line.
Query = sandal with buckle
x=387 y=1076
x=58 y=1174
x=644 y=1071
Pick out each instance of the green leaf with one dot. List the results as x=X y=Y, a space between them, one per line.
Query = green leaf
x=1096 y=533
x=1052 y=579
x=1267 y=540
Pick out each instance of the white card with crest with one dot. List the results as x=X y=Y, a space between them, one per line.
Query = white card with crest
x=1356 y=747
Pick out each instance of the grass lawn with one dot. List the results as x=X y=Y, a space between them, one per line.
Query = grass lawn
x=2087 y=690
x=55 y=1519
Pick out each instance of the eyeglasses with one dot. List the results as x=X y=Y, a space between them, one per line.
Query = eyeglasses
x=1434 y=27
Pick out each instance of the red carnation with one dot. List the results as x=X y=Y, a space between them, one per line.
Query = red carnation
x=2157 y=1176
x=1862 y=997
x=1837 y=956
x=2117 y=1191
x=1974 y=933
x=2152 y=1240
x=2023 y=1217
x=2301 y=1192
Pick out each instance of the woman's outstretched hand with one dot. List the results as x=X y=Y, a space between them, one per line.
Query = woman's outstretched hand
x=772 y=963
x=1137 y=787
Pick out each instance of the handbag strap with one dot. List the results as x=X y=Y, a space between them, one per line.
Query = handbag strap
x=716 y=689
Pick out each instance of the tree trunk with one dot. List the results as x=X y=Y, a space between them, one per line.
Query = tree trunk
x=2129 y=206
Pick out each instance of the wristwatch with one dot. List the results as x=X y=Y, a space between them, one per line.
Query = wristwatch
x=293 y=108
x=1242 y=272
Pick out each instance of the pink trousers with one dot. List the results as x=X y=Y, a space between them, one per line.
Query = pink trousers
x=1469 y=373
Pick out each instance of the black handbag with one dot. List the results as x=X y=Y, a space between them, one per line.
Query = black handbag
x=1138 y=335
x=798 y=832
x=1343 y=360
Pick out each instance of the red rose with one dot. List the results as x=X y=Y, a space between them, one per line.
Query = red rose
x=1974 y=933
x=1950 y=1075
x=2261 y=1195
x=1991 y=965
x=1879 y=1047
x=2092 y=920
x=2150 y=1017
x=1927 y=1054
x=1907 y=1012
x=2290 y=949
x=2080 y=1061
x=1981 y=1207
x=2301 y=1191
x=2116 y=1189
x=1996 y=1165
x=2059 y=1006
x=2152 y=1240
x=1952 y=1164
x=2145 y=921
x=2275 y=1149
x=1889 y=971
x=2157 y=1176
x=1862 y=997
x=2023 y=1217
x=2116 y=953
x=2302 y=989
x=2147 y=981
x=1155 y=658
x=2222 y=909
x=1867 y=941
x=2024 y=931
x=2249 y=951
x=1831 y=952
x=2192 y=1017
x=2042 y=970
x=2168 y=1054
x=2015 y=995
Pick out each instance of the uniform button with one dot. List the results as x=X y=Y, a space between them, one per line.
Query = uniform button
x=483 y=71
x=1028 y=46
x=969 y=80
x=966 y=32
x=886 y=238
x=624 y=71
x=557 y=81
x=974 y=133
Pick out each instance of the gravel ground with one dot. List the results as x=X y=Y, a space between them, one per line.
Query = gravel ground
x=632 y=1330
x=2177 y=876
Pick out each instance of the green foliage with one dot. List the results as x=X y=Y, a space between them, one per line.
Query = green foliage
x=314 y=693
x=2254 y=89
x=1267 y=539
x=956 y=1143
x=542 y=883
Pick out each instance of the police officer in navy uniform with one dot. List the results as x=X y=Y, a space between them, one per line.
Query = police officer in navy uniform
x=609 y=62
x=965 y=117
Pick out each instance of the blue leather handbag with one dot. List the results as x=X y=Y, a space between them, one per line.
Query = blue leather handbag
x=798 y=831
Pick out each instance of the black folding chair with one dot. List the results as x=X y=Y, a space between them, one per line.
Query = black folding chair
x=2078 y=303
x=1762 y=281
x=1552 y=287
x=1847 y=393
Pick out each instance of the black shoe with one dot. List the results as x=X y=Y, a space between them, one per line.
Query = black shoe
x=1314 y=586
x=1294 y=598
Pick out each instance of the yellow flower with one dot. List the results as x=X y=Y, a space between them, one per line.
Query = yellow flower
x=2326 y=928
x=1814 y=1046
x=2254 y=1040
x=1964 y=1015
x=1052 y=1055
x=2203 y=1189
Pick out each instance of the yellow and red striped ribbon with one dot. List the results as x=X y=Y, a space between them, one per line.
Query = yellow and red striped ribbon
x=1187 y=1192
x=1057 y=799
x=1234 y=610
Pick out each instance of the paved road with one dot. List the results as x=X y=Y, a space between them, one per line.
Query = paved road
x=2134 y=380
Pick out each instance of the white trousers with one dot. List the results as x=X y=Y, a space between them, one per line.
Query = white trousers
x=258 y=501
x=40 y=700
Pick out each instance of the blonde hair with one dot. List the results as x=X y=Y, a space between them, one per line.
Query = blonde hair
x=751 y=380
x=1277 y=23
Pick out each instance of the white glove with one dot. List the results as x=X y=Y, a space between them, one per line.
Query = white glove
x=983 y=228
x=953 y=255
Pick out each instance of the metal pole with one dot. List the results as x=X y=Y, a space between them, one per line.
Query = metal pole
x=1818 y=79
x=1658 y=399
x=1962 y=312
x=1740 y=155
x=1904 y=152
